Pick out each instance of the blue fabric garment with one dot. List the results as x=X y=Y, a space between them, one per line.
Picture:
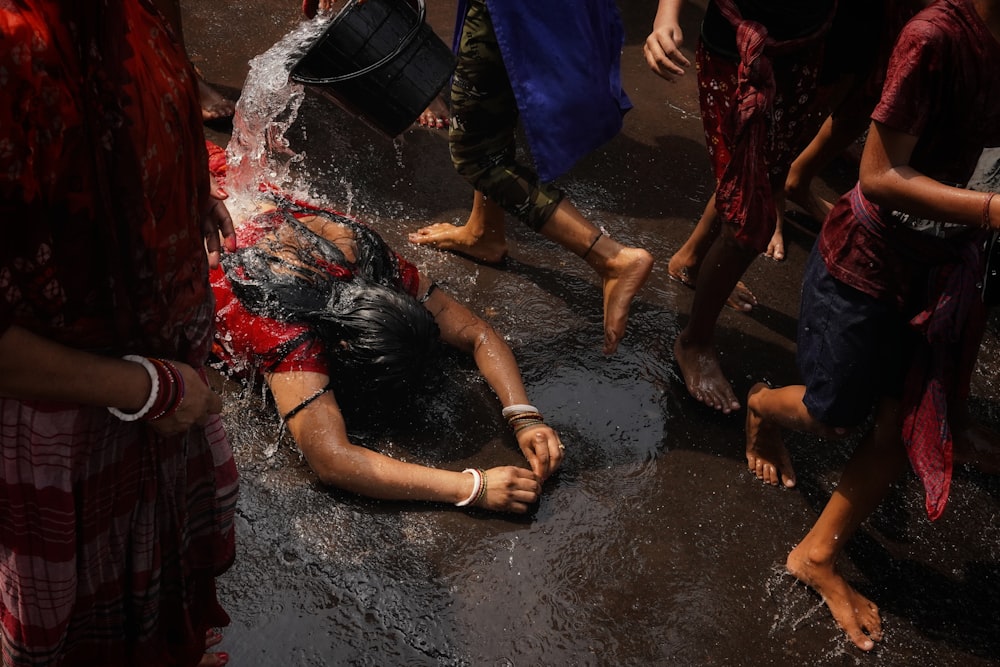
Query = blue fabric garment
x=563 y=58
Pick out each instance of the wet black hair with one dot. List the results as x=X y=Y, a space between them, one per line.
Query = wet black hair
x=377 y=336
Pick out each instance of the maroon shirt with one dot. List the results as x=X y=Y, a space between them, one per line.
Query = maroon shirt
x=943 y=86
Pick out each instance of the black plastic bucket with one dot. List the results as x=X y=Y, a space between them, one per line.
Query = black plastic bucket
x=380 y=61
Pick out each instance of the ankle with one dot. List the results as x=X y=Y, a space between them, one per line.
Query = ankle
x=602 y=253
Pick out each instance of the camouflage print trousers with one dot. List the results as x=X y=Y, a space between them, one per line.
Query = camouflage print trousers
x=483 y=124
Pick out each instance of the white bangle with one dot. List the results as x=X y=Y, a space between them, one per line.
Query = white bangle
x=154 y=391
x=517 y=409
x=476 y=485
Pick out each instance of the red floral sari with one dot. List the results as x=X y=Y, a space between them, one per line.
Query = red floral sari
x=110 y=535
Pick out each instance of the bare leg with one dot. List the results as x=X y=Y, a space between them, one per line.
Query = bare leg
x=694 y=348
x=482 y=237
x=776 y=246
x=769 y=411
x=686 y=262
x=213 y=105
x=874 y=466
x=623 y=269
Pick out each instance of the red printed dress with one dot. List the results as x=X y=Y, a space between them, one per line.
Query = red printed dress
x=110 y=535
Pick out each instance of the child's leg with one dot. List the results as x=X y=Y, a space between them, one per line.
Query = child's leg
x=694 y=347
x=769 y=411
x=875 y=465
x=623 y=269
x=685 y=263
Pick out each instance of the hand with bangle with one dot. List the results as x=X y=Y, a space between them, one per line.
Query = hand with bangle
x=539 y=442
x=502 y=489
x=179 y=396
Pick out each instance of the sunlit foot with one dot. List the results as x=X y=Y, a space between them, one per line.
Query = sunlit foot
x=213 y=105
x=627 y=273
x=767 y=457
x=741 y=298
x=703 y=375
x=854 y=613
x=460 y=239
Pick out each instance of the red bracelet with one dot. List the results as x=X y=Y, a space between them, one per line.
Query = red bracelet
x=987 y=222
x=172 y=392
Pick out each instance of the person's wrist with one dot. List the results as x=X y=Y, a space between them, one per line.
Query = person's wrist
x=151 y=396
x=990 y=216
x=478 y=484
x=522 y=416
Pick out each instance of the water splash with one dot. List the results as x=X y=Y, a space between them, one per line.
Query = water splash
x=259 y=151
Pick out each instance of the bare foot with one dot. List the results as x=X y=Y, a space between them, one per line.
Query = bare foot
x=767 y=457
x=703 y=376
x=741 y=298
x=460 y=239
x=627 y=273
x=435 y=116
x=776 y=246
x=213 y=637
x=854 y=613
x=213 y=105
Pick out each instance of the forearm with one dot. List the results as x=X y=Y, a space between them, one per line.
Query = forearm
x=32 y=367
x=668 y=12
x=907 y=190
x=375 y=475
x=498 y=366
x=887 y=179
x=322 y=436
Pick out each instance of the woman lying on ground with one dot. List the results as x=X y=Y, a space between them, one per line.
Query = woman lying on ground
x=316 y=301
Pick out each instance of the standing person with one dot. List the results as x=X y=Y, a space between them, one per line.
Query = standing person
x=891 y=311
x=118 y=487
x=542 y=64
x=861 y=40
x=758 y=62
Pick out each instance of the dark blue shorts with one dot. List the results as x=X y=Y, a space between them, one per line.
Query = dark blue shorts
x=852 y=348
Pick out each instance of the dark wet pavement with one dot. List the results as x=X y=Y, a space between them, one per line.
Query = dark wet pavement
x=653 y=545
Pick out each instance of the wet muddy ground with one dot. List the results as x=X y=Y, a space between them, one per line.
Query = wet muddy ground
x=653 y=545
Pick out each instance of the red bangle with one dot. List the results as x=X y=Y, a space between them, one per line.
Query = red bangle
x=172 y=392
x=987 y=222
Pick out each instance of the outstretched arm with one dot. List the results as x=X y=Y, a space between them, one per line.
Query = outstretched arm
x=888 y=179
x=463 y=329
x=321 y=435
x=663 y=46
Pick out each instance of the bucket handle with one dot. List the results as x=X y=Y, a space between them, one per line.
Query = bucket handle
x=403 y=43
